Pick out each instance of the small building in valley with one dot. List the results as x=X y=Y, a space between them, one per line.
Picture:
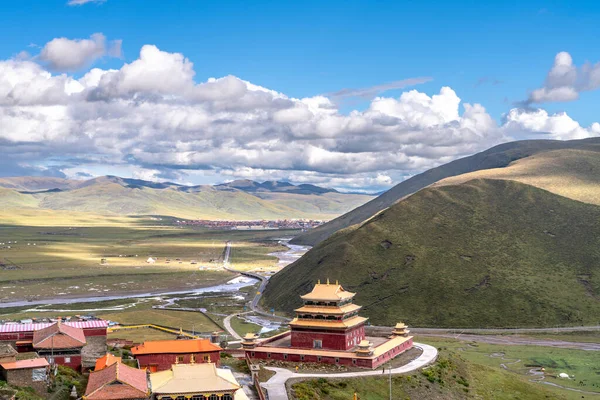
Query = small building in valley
x=161 y=354
x=60 y=344
x=197 y=382
x=31 y=373
x=117 y=381
x=327 y=329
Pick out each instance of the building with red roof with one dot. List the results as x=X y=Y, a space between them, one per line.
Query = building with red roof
x=20 y=336
x=105 y=361
x=117 y=382
x=60 y=344
x=159 y=355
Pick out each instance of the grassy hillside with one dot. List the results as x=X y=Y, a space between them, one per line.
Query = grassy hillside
x=486 y=253
x=571 y=173
x=496 y=157
x=450 y=378
x=116 y=196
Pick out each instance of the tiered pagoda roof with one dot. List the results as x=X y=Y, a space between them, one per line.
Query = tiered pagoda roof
x=328 y=306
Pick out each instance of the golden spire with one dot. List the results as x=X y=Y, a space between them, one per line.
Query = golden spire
x=318 y=281
x=336 y=282
x=193 y=359
x=328 y=281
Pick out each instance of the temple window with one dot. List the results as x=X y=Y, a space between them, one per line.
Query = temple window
x=227 y=396
x=180 y=398
x=317 y=344
x=180 y=360
x=213 y=397
x=198 y=397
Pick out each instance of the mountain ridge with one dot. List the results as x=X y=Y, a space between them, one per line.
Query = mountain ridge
x=496 y=157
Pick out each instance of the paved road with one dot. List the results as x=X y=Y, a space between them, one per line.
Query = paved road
x=229 y=328
x=512 y=340
x=276 y=385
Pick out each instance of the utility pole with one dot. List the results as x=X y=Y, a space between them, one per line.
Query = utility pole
x=390 y=369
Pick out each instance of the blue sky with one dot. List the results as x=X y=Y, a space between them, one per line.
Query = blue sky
x=493 y=53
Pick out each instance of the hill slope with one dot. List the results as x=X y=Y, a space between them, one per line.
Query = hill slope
x=486 y=253
x=570 y=173
x=496 y=157
x=119 y=196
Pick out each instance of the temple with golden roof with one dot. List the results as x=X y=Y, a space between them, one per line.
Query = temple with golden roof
x=328 y=329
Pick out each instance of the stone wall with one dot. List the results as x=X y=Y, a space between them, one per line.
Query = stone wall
x=23 y=378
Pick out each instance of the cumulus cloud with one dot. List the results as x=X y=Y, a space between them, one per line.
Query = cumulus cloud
x=565 y=81
x=153 y=119
x=63 y=54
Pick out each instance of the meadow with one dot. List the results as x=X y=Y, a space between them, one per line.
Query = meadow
x=468 y=370
x=127 y=255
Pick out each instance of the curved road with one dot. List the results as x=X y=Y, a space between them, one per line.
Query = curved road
x=276 y=385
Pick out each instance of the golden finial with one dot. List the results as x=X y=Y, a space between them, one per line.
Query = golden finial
x=328 y=281
x=318 y=281
x=336 y=282
x=193 y=359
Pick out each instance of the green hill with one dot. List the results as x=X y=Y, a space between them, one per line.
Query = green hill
x=485 y=253
x=119 y=196
x=496 y=157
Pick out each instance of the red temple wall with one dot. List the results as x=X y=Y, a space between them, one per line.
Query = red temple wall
x=163 y=362
x=348 y=359
x=331 y=340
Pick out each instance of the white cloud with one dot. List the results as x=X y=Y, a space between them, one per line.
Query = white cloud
x=557 y=126
x=152 y=119
x=565 y=81
x=62 y=54
x=82 y=2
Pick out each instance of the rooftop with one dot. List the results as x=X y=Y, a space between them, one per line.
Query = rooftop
x=175 y=346
x=193 y=378
x=117 y=381
x=58 y=336
x=105 y=361
x=345 y=309
x=26 y=364
x=380 y=346
x=6 y=350
x=330 y=324
x=328 y=292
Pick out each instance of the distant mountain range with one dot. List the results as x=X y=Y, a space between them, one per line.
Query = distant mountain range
x=505 y=238
x=241 y=199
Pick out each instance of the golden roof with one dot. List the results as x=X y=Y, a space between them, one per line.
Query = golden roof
x=401 y=325
x=390 y=344
x=345 y=309
x=323 y=323
x=328 y=292
x=192 y=378
x=377 y=351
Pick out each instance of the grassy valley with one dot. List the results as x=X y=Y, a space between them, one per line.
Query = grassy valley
x=484 y=253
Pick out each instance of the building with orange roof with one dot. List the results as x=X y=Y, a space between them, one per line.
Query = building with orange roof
x=327 y=329
x=117 y=382
x=27 y=373
x=159 y=355
x=105 y=361
x=60 y=344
